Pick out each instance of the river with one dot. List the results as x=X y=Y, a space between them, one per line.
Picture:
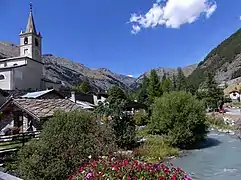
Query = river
x=220 y=159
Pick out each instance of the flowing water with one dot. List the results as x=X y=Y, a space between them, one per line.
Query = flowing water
x=219 y=160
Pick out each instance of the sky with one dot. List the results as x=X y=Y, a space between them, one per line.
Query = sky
x=126 y=36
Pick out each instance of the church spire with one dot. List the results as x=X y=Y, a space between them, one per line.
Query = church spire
x=31 y=26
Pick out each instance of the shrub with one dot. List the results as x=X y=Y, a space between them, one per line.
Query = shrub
x=155 y=148
x=124 y=130
x=140 y=118
x=179 y=117
x=112 y=168
x=66 y=138
x=121 y=123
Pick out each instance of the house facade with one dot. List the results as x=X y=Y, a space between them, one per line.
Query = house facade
x=29 y=114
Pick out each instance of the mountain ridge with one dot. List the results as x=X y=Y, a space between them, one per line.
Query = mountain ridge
x=224 y=61
x=70 y=72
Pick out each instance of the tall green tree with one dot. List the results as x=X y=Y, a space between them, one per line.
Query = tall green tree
x=181 y=80
x=174 y=83
x=165 y=85
x=211 y=93
x=115 y=109
x=154 y=86
x=116 y=93
x=142 y=96
x=84 y=87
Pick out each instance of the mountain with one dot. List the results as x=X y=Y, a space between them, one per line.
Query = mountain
x=70 y=72
x=168 y=71
x=224 y=61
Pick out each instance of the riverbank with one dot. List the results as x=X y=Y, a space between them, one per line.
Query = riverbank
x=217 y=161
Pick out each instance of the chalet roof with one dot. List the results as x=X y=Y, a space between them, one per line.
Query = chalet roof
x=43 y=108
x=79 y=96
x=85 y=105
x=38 y=94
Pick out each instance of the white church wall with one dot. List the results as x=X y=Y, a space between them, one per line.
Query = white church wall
x=6 y=79
x=28 y=77
x=12 y=62
x=17 y=62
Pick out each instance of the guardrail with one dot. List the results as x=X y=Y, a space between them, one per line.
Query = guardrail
x=9 y=143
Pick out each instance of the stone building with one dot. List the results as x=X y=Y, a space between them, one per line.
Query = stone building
x=27 y=70
x=29 y=114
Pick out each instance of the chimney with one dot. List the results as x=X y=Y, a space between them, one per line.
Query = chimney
x=73 y=96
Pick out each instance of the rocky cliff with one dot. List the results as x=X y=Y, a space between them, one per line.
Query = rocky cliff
x=224 y=61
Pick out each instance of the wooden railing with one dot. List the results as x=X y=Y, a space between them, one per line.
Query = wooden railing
x=10 y=143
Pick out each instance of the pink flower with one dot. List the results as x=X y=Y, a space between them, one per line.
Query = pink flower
x=88 y=176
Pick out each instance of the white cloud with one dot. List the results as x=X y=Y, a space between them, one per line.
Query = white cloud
x=172 y=13
x=240 y=18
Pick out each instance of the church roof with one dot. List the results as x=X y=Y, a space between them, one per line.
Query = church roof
x=31 y=25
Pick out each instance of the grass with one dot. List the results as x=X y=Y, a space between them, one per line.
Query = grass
x=236 y=104
x=155 y=149
x=10 y=145
x=219 y=123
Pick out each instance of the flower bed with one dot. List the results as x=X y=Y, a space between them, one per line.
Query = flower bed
x=108 y=168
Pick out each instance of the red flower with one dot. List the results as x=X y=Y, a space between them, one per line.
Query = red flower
x=126 y=162
x=174 y=177
x=128 y=178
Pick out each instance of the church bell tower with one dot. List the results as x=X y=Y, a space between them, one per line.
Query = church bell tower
x=30 y=40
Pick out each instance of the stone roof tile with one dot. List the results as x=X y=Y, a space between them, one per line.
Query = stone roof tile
x=42 y=108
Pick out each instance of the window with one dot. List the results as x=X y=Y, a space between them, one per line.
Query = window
x=25 y=40
x=15 y=64
x=98 y=96
x=2 y=77
x=36 y=42
x=5 y=64
x=25 y=51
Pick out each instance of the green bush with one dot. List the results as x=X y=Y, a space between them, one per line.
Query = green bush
x=140 y=118
x=179 y=117
x=66 y=141
x=121 y=122
x=124 y=130
x=155 y=149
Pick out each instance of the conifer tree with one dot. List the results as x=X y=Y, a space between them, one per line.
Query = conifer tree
x=154 y=86
x=181 y=80
x=143 y=91
x=213 y=93
x=165 y=85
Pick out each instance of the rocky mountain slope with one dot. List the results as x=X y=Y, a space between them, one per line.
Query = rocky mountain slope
x=224 y=61
x=70 y=72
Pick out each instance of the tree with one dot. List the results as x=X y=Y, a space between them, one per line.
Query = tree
x=65 y=143
x=166 y=85
x=116 y=93
x=181 y=80
x=180 y=117
x=120 y=121
x=191 y=88
x=210 y=92
x=143 y=91
x=154 y=86
x=141 y=118
x=84 y=87
x=174 y=83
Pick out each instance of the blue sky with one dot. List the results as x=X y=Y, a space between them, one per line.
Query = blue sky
x=98 y=33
